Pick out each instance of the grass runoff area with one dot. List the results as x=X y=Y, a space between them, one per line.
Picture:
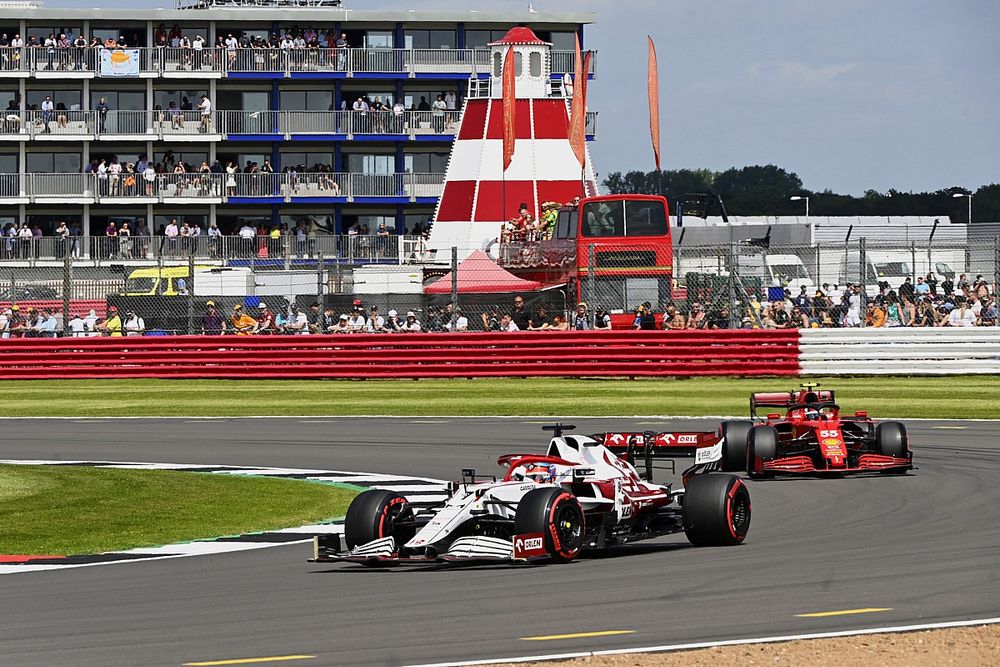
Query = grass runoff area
x=950 y=397
x=66 y=510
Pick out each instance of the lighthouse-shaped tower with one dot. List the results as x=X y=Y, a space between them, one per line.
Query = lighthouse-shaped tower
x=479 y=196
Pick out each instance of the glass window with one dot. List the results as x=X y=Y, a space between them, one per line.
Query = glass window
x=359 y=163
x=190 y=159
x=53 y=163
x=562 y=41
x=69 y=98
x=165 y=97
x=378 y=39
x=442 y=39
x=518 y=66
x=478 y=39
x=535 y=64
x=306 y=160
x=119 y=101
x=497 y=65
x=40 y=33
x=645 y=218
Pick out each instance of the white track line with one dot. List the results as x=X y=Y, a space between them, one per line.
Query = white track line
x=548 y=419
x=728 y=642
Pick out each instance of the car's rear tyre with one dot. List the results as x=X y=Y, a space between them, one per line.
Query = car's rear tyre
x=716 y=510
x=734 y=445
x=890 y=439
x=556 y=514
x=372 y=515
x=762 y=445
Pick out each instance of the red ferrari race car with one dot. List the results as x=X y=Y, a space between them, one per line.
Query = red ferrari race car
x=812 y=437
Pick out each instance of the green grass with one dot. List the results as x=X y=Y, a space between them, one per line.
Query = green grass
x=64 y=510
x=963 y=397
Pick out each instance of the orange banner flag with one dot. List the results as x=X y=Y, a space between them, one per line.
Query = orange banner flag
x=509 y=109
x=653 y=91
x=578 y=109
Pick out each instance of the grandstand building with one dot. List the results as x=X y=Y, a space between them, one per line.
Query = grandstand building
x=280 y=112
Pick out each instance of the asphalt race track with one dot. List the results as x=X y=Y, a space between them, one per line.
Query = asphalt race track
x=924 y=546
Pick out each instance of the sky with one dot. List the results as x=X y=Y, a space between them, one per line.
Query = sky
x=851 y=95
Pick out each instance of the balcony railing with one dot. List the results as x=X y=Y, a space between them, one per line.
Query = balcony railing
x=216 y=62
x=286 y=250
x=209 y=187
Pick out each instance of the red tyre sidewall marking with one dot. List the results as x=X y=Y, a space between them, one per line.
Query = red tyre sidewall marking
x=730 y=497
x=552 y=526
x=385 y=515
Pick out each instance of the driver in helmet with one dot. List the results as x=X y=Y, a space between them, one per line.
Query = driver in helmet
x=541 y=473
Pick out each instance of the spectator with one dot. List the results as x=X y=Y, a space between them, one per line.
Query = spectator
x=921 y=288
x=393 y=323
x=697 y=320
x=507 y=324
x=341 y=327
x=376 y=323
x=356 y=322
x=212 y=323
x=205 y=107
x=520 y=315
x=719 y=319
x=314 y=319
x=102 y=115
x=672 y=319
x=559 y=323
x=457 y=323
x=265 y=319
x=243 y=324
x=412 y=324
x=875 y=316
x=134 y=325
x=602 y=320
x=47 y=325
x=962 y=315
x=112 y=326
x=580 y=320
x=298 y=323
x=77 y=326
x=491 y=319
x=540 y=320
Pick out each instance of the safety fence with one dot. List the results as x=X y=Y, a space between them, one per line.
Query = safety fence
x=946 y=351
x=209 y=62
x=566 y=354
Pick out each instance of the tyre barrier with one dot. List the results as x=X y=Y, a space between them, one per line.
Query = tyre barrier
x=364 y=356
x=900 y=351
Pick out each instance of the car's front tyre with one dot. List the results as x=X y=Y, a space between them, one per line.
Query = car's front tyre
x=372 y=515
x=556 y=514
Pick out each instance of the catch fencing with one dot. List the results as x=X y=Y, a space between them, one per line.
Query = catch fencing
x=569 y=354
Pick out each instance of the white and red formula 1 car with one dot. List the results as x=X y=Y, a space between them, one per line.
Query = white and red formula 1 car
x=582 y=493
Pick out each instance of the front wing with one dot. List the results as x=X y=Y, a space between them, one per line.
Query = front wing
x=804 y=465
x=478 y=548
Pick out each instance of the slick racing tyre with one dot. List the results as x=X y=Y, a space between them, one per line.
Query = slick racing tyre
x=716 y=510
x=890 y=439
x=734 y=445
x=372 y=515
x=556 y=514
x=762 y=445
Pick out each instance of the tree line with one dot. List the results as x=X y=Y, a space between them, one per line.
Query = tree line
x=766 y=190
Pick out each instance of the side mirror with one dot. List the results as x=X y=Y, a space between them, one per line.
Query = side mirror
x=773 y=415
x=468 y=472
x=579 y=474
x=861 y=413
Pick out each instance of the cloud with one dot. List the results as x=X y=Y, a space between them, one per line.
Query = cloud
x=797 y=72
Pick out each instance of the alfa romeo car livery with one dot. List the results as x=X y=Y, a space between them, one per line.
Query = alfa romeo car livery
x=812 y=437
x=582 y=493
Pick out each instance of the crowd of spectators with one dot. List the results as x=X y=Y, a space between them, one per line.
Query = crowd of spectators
x=29 y=322
x=929 y=302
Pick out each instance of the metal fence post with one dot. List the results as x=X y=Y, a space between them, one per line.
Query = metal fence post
x=67 y=290
x=319 y=278
x=863 y=274
x=996 y=274
x=190 y=299
x=591 y=265
x=913 y=261
x=454 y=288
x=735 y=319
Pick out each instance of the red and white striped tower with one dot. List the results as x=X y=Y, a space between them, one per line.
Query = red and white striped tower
x=479 y=196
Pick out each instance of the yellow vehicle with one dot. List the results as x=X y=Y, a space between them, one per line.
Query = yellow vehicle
x=155 y=281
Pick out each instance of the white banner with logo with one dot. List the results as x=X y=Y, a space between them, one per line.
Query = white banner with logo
x=119 y=62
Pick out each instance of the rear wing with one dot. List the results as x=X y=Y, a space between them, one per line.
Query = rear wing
x=788 y=399
x=705 y=447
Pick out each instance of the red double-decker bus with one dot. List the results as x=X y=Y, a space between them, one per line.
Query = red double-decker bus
x=614 y=251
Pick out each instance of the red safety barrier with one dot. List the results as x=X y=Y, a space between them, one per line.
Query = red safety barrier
x=362 y=356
